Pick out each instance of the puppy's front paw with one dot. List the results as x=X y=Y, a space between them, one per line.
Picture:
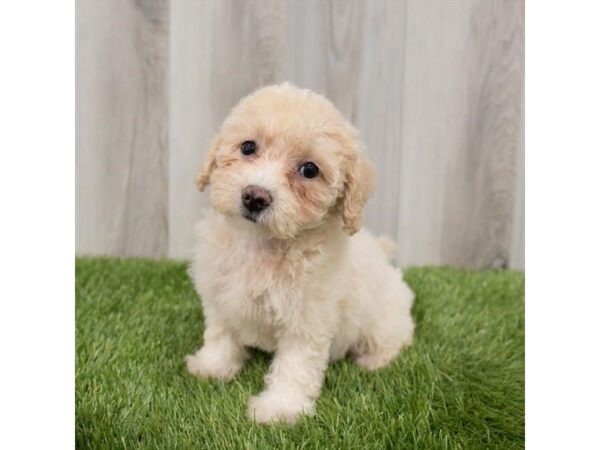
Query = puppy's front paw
x=271 y=406
x=207 y=363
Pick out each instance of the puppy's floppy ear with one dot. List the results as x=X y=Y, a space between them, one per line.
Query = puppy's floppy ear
x=203 y=177
x=358 y=186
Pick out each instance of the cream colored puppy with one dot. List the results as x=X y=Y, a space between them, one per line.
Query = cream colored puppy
x=280 y=262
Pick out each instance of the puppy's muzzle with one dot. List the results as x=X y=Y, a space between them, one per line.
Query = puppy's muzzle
x=255 y=199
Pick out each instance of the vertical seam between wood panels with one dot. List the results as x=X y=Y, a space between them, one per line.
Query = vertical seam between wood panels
x=398 y=206
x=167 y=159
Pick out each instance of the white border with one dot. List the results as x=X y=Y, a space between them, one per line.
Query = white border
x=37 y=232
x=37 y=224
x=562 y=224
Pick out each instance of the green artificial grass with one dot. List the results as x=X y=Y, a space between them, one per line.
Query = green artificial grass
x=461 y=385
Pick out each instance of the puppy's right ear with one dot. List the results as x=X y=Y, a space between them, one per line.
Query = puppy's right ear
x=203 y=177
x=359 y=185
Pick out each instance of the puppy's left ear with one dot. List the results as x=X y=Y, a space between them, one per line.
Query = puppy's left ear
x=358 y=186
x=203 y=177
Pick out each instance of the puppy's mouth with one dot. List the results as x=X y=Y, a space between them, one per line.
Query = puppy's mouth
x=252 y=216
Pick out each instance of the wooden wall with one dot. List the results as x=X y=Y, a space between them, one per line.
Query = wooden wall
x=435 y=87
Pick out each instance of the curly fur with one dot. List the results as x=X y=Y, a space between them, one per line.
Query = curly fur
x=302 y=281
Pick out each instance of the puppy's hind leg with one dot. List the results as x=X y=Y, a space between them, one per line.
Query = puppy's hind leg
x=393 y=332
x=220 y=357
x=383 y=349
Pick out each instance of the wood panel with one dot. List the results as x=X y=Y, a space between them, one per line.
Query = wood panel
x=191 y=121
x=461 y=133
x=516 y=259
x=435 y=88
x=220 y=51
x=354 y=55
x=121 y=127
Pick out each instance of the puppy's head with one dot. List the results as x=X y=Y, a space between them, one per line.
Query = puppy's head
x=286 y=160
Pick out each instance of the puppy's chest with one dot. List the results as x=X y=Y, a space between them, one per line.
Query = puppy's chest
x=257 y=284
x=258 y=296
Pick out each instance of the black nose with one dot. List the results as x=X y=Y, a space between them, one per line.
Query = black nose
x=255 y=198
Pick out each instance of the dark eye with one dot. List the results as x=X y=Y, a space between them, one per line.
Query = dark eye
x=248 y=148
x=309 y=170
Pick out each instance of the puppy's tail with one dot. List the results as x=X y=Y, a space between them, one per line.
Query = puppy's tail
x=388 y=246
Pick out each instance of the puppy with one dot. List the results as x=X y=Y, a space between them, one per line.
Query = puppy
x=280 y=263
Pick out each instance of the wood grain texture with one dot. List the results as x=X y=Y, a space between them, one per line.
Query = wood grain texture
x=190 y=117
x=435 y=88
x=121 y=127
x=220 y=51
x=461 y=132
x=380 y=114
x=516 y=258
x=361 y=47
